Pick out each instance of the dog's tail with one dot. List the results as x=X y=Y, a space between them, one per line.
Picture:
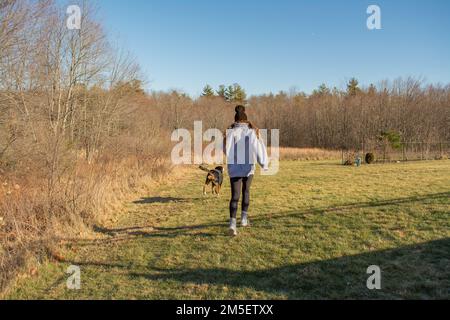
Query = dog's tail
x=202 y=167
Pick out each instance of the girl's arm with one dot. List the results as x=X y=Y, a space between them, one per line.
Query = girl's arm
x=261 y=153
x=224 y=147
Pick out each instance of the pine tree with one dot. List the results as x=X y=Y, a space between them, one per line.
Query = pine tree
x=352 y=87
x=322 y=90
x=222 y=92
x=208 y=91
x=239 y=93
x=230 y=94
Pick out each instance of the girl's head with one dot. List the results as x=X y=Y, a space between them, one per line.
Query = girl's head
x=240 y=116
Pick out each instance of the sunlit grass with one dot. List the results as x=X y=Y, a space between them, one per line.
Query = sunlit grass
x=317 y=226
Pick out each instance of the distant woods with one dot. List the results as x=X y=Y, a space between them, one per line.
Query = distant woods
x=352 y=119
x=65 y=92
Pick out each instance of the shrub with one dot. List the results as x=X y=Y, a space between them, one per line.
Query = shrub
x=391 y=138
x=348 y=163
x=370 y=158
x=349 y=158
x=443 y=157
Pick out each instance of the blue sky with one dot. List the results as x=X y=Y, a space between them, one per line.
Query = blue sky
x=268 y=46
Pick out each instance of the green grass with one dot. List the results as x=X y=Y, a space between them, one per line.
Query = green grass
x=316 y=227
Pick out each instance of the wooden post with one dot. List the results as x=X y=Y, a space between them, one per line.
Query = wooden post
x=403 y=151
x=421 y=151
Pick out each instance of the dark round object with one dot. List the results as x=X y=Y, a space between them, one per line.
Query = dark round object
x=370 y=158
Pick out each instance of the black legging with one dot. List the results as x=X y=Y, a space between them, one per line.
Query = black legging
x=238 y=184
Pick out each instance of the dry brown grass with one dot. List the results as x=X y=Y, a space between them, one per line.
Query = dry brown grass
x=31 y=223
x=309 y=154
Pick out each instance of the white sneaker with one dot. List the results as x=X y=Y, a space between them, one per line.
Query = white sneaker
x=244 y=219
x=233 y=229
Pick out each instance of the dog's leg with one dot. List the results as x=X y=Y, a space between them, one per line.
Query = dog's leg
x=205 y=185
x=218 y=190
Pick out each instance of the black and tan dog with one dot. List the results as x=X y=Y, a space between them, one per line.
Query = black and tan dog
x=215 y=178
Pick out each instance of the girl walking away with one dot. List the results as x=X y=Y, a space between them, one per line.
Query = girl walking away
x=243 y=146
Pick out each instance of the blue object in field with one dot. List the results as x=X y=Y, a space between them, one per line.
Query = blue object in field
x=358 y=161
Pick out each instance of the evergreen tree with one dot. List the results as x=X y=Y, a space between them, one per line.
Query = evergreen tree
x=230 y=94
x=352 y=87
x=391 y=138
x=208 y=91
x=222 y=92
x=322 y=90
x=239 y=93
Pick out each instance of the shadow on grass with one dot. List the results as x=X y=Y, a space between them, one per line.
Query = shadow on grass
x=361 y=205
x=124 y=234
x=162 y=200
x=130 y=233
x=418 y=271
x=153 y=231
x=414 y=272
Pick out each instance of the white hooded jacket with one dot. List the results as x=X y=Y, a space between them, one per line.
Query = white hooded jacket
x=243 y=149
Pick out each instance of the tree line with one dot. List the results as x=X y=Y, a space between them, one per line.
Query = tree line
x=355 y=118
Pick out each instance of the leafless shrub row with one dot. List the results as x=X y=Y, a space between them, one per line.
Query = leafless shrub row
x=75 y=134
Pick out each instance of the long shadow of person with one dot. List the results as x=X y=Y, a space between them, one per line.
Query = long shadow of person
x=413 y=272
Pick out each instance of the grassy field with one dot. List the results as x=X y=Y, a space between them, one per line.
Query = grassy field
x=316 y=227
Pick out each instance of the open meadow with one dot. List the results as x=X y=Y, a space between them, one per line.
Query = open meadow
x=316 y=228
